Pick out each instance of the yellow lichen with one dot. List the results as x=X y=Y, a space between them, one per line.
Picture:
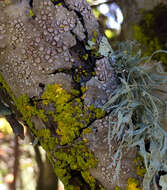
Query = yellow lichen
x=31 y=13
x=117 y=188
x=6 y=87
x=89 y=179
x=87 y=130
x=27 y=110
x=7 y=2
x=62 y=26
x=94 y=38
x=77 y=157
x=101 y=188
x=76 y=188
x=148 y=33
x=69 y=117
x=85 y=57
x=132 y=184
x=141 y=170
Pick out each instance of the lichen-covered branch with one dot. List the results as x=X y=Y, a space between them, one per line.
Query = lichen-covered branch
x=48 y=78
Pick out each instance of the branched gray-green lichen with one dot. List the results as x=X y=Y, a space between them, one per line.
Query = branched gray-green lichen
x=137 y=108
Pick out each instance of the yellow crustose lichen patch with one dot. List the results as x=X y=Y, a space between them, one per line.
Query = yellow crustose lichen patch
x=132 y=184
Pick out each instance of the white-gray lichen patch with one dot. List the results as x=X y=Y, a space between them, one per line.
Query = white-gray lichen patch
x=63 y=80
x=83 y=8
x=100 y=87
x=97 y=142
x=79 y=30
x=106 y=75
x=33 y=48
x=94 y=94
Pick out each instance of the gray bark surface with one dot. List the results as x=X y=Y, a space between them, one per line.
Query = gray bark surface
x=47 y=48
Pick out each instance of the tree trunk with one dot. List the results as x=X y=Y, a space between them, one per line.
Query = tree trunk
x=45 y=172
x=57 y=87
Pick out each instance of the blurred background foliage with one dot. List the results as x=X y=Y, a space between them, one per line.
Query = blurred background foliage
x=17 y=168
x=151 y=31
x=109 y=15
x=23 y=165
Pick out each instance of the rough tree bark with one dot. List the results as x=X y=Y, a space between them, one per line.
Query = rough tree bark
x=57 y=88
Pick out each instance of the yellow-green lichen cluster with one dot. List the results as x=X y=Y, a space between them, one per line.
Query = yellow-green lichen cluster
x=76 y=158
x=67 y=116
x=94 y=38
x=28 y=110
x=133 y=184
x=70 y=118
x=89 y=179
x=6 y=87
x=85 y=57
x=23 y=106
x=46 y=140
x=57 y=2
x=31 y=13
x=140 y=167
x=93 y=45
x=117 y=188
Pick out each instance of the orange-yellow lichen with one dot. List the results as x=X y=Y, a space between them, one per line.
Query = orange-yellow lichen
x=133 y=184
x=69 y=118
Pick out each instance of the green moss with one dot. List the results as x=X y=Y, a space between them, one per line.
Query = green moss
x=59 y=4
x=77 y=78
x=47 y=141
x=54 y=93
x=69 y=118
x=23 y=106
x=95 y=34
x=21 y=103
x=69 y=122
